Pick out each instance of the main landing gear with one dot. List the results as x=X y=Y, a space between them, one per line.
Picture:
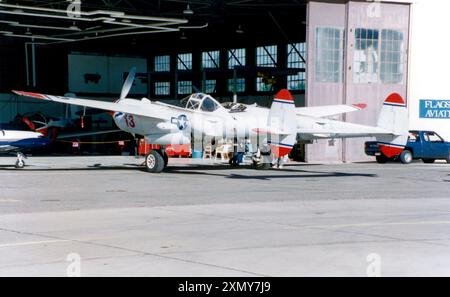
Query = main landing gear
x=156 y=161
x=262 y=159
x=20 y=163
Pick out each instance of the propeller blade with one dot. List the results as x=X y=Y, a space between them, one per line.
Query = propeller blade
x=128 y=83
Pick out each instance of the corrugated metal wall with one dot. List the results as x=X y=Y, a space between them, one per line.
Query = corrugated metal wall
x=351 y=17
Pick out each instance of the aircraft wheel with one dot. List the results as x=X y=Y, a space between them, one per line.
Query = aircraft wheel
x=428 y=161
x=233 y=162
x=154 y=162
x=20 y=164
x=406 y=157
x=165 y=157
x=381 y=159
x=261 y=166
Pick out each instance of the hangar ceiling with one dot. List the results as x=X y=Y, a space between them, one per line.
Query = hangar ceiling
x=136 y=28
x=100 y=23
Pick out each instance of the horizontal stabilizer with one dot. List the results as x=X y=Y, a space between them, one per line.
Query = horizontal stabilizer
x=269 y=132
x=328 y=111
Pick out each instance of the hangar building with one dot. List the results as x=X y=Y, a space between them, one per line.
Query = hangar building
x=325 y=52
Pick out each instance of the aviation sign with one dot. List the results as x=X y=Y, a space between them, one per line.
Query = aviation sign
x=435 y=109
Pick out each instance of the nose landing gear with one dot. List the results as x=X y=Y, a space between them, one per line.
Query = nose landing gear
x=20 y=163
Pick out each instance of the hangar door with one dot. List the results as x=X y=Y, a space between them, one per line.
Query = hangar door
x=357 y=53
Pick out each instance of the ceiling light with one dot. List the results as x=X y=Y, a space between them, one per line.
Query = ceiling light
x=188 y=10
x=74 y=27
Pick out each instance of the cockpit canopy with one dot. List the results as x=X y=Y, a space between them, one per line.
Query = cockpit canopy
x=200 y=101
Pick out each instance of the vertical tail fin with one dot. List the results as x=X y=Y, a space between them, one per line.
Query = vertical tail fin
x=393 y=117
x=282 y=119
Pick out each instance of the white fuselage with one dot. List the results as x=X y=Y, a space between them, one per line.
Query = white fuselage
x=11 y=140
x=177 y=125
x=13 y=136
x=182 y=123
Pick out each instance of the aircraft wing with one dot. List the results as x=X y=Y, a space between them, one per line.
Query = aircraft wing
x=109 y=106
x=328 y=111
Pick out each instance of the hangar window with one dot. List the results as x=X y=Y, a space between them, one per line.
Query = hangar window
x=296 y=82
x=266 y=56
x=296 y=59
x=296 y=55
x=264 y=84
x=162 y=88
x=210 y=86
x=239 y=85
x=366 y=60
x=162 y=64
x=184 y=62
x=184 y=87
x=236 y=57
x=329 y=54
x=211 y=59
x=392 y=44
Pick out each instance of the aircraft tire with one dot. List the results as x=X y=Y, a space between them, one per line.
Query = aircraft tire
x=261 y=166
x=154 y=162
x=165 y=157
x=20 y=164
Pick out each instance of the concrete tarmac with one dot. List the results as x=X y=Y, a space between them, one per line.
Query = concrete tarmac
x=109 y=217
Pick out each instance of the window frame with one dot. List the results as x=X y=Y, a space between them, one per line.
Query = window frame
x=187 y=84
x=158 y=85
x=184 y=64
x=397 y=61
x=165 y=63
x=391 y=65
x=322 y=73
x=240 y=85
x=267 y=56
x=210 y=61
x=236 y=57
